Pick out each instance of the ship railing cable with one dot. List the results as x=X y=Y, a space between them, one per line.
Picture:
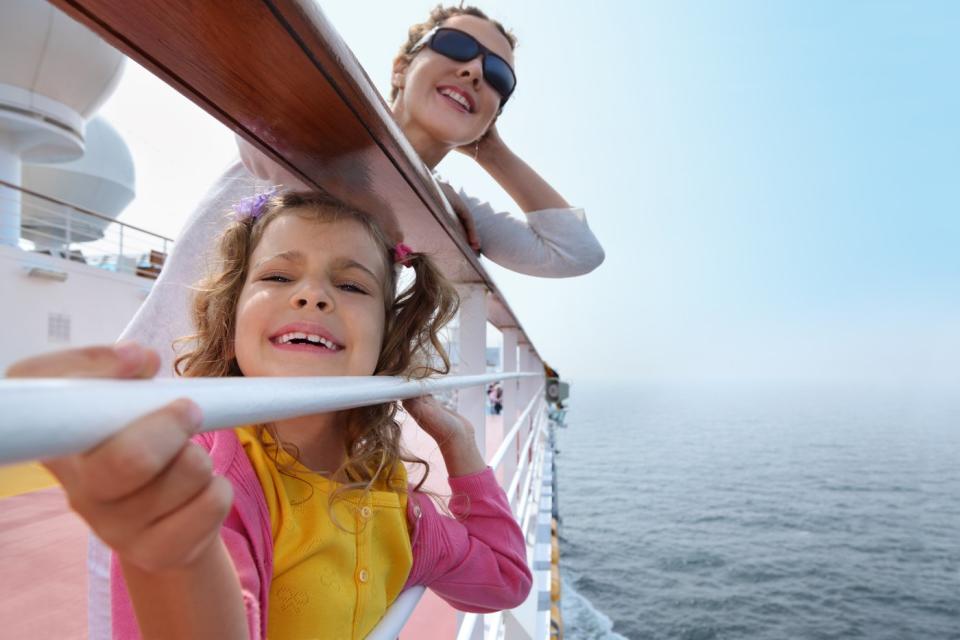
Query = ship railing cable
x=61 y=229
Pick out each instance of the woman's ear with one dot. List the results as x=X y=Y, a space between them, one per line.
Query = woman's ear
x=399 y=77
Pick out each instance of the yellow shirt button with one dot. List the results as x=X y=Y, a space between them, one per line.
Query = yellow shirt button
x=363 y=576
x=366 y=512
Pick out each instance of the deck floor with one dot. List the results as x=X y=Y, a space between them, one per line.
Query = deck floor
x=43 y=550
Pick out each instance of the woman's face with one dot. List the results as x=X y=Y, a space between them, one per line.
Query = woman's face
x=447 y=100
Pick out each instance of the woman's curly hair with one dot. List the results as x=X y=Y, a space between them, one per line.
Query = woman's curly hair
x=439 y=15
x=411 y=345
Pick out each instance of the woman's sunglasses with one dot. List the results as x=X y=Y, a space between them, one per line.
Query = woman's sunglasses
x=462 y=47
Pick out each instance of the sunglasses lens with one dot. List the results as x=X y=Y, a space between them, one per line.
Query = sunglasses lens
x=460 y=46
x=499 y=75
x=455 y=45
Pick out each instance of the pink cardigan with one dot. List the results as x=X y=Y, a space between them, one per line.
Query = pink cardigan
x=476 y=562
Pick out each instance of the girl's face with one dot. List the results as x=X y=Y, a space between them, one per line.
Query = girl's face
x=425 y=101
x=313 y=302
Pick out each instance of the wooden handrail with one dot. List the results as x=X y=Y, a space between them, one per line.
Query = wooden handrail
x=278 y=74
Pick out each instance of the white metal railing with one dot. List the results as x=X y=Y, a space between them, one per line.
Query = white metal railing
x=64 y=230
x=397 y=615
x=43 y=418
x=508 y=438
x=520 y=501
x=400 y=611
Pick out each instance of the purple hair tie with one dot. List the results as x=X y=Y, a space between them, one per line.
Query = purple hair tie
x=251 y=208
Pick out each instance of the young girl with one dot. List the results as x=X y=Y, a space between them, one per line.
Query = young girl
x=304 y=527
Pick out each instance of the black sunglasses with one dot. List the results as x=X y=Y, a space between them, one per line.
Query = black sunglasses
x=462 y=47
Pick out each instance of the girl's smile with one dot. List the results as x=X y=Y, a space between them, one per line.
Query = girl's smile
x=313 y=303
x=305 y=336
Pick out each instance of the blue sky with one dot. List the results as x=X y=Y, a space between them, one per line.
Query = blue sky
x=777 y=185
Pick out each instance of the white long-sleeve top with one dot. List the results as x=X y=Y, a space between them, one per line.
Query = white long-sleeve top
x=550 y=243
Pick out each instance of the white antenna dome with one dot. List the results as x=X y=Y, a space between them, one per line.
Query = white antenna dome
x=54 y=72
x=103 y=181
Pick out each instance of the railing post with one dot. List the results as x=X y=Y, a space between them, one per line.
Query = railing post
x=471 y=401
x=527 y=385
x=10 y=170
x=511 y=400
x=526 y=394
x=120 y=252
x=473 y=357
x=69 y=232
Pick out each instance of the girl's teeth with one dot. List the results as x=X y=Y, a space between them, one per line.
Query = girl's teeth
x=287 y=338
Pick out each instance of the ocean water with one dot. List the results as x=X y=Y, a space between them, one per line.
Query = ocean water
x=760 y=514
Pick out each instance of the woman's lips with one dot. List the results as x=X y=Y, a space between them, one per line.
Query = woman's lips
x=453 y=102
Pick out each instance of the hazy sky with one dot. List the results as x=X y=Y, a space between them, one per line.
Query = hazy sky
x=777 y=185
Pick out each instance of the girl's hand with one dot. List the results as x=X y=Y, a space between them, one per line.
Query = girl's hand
x=452 y=432
x=147 y=492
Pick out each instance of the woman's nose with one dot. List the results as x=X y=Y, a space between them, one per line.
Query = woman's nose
x=472 y=70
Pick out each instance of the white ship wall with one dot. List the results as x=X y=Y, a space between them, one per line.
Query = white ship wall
x=92 y=306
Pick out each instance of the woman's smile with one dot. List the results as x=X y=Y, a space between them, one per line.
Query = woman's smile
x=456 y=97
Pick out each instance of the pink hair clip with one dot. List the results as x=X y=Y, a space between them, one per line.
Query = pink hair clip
x=401 y=253
x=252 y=207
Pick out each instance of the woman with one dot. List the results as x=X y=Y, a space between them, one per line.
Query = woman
x=450 y=82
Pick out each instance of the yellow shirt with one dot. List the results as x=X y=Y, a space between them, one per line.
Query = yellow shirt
x=329 y=582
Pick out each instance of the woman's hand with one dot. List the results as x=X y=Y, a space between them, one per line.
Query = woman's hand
x=487 y=147
x=463 y=215
x=147 y=492
x=452 y=432
x=527 y=188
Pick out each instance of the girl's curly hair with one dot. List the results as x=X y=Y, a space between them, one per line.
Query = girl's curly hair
x=411 y=346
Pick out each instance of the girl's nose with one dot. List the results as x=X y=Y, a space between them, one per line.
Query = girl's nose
x=313 y=296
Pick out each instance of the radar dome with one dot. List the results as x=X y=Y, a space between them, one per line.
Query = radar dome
x=53 y=71
x=102 y=181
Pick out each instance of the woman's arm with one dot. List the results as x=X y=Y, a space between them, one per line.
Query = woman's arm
x=527 y=188
x=553 y=242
